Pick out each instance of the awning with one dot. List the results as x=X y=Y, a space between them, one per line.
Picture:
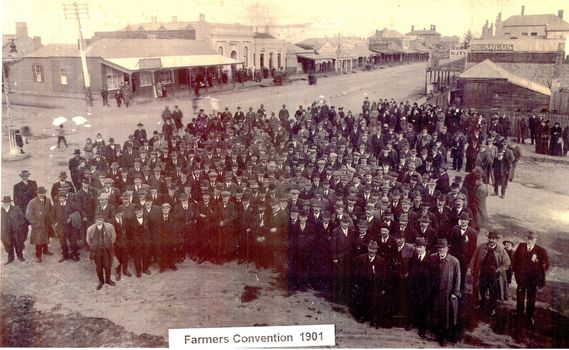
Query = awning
x=387 y=51
x=316 y=58
x=133 y=63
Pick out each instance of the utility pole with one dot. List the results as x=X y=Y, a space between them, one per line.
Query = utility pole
x=76 y=11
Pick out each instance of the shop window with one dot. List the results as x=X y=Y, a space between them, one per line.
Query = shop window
x=114 y=78
x=534 y=34
x=164 y=76
x=145 y=78
x=37 y=72
x=63 y=76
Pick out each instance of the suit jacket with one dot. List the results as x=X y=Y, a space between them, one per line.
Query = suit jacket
x=530 y=267
x=85 y=201
x=343 y=246
x=55 y=189
x=138 y=235
x=24 y=193
x=462 y=247
x=419 y=279
x=402 y=259
x=13 y=223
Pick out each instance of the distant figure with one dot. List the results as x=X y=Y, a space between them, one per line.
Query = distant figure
x=61 y=136
x=105 y=96
x=20 y=141
x=118 y=98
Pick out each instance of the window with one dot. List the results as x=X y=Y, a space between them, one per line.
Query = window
x=254 y=59
x=261 y=60
x=246 y=56
x=534 y=34
x=524 y=34
x=164 y=77
x=279 y=60
x=220 y=50
x=38 y=72
x=507 y=35
x=114 y=78
x=63 y=76
x=145 y=78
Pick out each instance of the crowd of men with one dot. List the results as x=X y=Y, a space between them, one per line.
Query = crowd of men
x=359 y=206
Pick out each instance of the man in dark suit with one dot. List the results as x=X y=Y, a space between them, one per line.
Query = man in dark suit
x=226 y=233
x=139 y=240
x=119 y=222
x=24 y=191
x=61 y=183
x=368 y=303
x=185 y=215
x=74 y=167
x=419 y=285
x=85 y=200
x=343 y=246
x=167 y=235
x=463 y=242
x=530 y=263
x=428 y=233
x=62 y=210
x=14 y=230
x=301 y=239
x=140 y=134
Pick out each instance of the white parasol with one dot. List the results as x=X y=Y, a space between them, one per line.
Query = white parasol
x=58 y=121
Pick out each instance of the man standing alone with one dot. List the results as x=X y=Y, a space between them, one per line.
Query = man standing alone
x=101 y=238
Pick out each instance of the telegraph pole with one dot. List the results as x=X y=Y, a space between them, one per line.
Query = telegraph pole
x=76 y=11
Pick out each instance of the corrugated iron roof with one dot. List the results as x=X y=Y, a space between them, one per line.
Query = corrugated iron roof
x=132 y=63
x=56 y=50
x=489 y=70
x=553 y=22
x=119 y=48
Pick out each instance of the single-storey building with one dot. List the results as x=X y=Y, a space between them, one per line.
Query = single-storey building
x=55 y=69
x=487 y=85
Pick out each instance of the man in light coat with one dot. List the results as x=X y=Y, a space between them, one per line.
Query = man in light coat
x=101 y=237
x=489 y=273
x=38 y=215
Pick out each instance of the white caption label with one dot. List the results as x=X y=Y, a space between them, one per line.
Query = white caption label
x=253 y=337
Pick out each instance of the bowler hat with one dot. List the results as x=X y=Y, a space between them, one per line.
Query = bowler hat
x=442 y=243
x=425 y=218
x=24 y=173
x=6 y=199
x=77 y=151
x=42 y=190
x=420 y=241
x=99 y=216
x=63 y=174
x=531 y=234
x=464 y=216
x=492 y=234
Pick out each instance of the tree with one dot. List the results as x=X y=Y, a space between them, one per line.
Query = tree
x=467 y=38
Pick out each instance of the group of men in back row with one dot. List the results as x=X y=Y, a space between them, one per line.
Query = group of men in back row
x=310 y=194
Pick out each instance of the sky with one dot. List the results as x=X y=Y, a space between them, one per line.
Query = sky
x=46 y=18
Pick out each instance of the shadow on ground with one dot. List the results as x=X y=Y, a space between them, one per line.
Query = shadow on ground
x=23 y=326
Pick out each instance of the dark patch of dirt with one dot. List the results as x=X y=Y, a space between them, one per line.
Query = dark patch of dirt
x=250 y=294
x=23 y=326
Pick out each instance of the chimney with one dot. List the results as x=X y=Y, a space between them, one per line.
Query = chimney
x=21 y=30
x=202 y=17
x=523 y=9
x=153 y=19
x=174 y=19
x=560 y=14
x=434 y=28
x=37 y=42
x=412 y=28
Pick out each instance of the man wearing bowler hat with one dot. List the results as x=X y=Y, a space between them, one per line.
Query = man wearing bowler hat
x=167 y=237
x=14 y=230
x=343 y=248
x=39 y=216
x=489 y=265
x=101 y=238
x=61 y=183
x=24 y=191
x=65 y=216
x=445 y=276
x=419 y=287
x=530 y=263
x=463 y=241
x=369 y=295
